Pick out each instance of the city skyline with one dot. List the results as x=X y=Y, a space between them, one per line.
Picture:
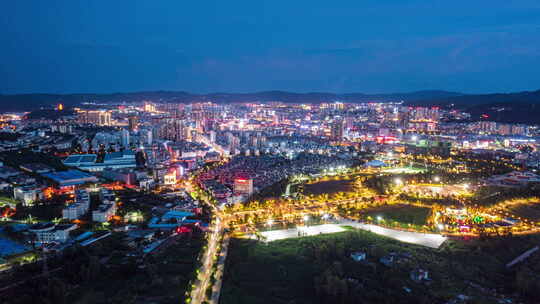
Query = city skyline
x=106 y=197
x=254 y=152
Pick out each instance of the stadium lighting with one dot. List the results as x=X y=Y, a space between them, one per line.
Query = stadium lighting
x=437 y=179
x=398 y=181
x=306 y=218
x=414 y=138
x=379 y=218
x=270 y=222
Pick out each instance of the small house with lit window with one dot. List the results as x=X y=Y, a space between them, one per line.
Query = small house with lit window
x=358 y=256
x=419 y=275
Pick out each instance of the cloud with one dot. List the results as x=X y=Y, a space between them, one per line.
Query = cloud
x=383 y=65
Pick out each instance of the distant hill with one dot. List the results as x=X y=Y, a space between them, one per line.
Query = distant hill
x=521 y=107
x=510 y=107
x=319 y=97
x=26 y=102
x=527 y=97
x=48 y=114
x=513 y=112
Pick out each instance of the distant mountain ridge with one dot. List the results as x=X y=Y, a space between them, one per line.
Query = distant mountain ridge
x=22 y=102
x=526 y=97
x=26 y=102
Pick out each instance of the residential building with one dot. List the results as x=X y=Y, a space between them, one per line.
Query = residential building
x=358 y=256
x=95 y=117
x=104 y=212
x=79 y=207
x=48 y=232
x=243 y=186
x=28 y=194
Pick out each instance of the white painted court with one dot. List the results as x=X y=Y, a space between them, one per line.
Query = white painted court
x=424 y=239
x=301 y=231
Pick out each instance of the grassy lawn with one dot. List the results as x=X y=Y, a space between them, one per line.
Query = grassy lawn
x=528 y=211
x=450 y=202
x=489 y=196
x=4 y=200
x=318 y=269
x=404 y=214
x=41 y=212
x=328 y=187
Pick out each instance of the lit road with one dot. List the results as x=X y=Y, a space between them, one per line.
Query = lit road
x=214 y=146
x=198 y=294
x=220 y=268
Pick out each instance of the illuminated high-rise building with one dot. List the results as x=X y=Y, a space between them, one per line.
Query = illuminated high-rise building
x=243 y=185
x=349 y=122
x=125 y=138
x=149 y=107
x=149 y=137
x=338 y=106
x=96 y=117
x=133 y=123
x=337 y=130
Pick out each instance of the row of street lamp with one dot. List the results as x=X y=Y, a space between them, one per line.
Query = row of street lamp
x=306 y=218
x=399 y=181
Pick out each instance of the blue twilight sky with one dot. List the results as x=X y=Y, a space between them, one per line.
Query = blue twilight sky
x=369 y=46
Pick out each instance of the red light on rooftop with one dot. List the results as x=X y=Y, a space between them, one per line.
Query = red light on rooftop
x=183 y=229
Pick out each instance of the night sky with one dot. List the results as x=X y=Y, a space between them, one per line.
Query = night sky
x=244 y=46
